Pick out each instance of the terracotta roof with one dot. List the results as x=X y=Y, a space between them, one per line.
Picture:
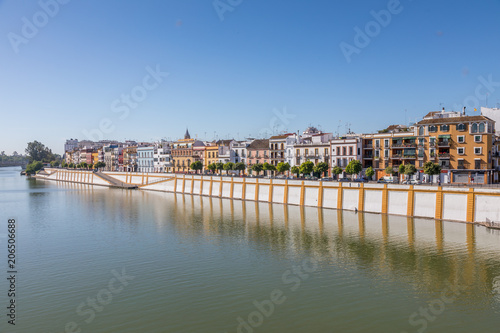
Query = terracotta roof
x=224 y=142
x=284 y=136
x=453 y=120
x=259 y=144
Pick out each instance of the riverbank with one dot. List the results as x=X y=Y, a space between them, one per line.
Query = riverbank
x=442 y=203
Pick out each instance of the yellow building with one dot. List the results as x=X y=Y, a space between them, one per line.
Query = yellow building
x=462 y=145
x=211 y=155
x=459 y=143
x=183 y=154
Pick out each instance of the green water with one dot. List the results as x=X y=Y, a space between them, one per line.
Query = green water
x=197 y=264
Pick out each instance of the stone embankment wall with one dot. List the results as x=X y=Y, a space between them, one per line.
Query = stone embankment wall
x=456 y=204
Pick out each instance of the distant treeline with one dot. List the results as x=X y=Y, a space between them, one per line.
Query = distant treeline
x=13 y=160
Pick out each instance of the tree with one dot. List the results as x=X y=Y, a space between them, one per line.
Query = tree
x=354 y=167
x=240 y=166
x=431 y=168
x=268 y=167
x=307 y=167
x=54 y=164
x=212 y=167
x=369 y=172
x=257 y=167
x=401 y=169
x=321 y=168
x=410 y=169
x=389 y=170
x=33 y=167
x=295 y=170
x=38 y=152
x=282 y=167
x=99 y=165
x=72 y=165
x=228 y=166
x=337 y=170
x=219 y=166
x=196 y=165
x=64 y=164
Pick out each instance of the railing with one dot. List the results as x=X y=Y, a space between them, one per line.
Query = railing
x=443 y=144
x=404 y=145
x=444 y=155
x=403 y=156
x=368 y=147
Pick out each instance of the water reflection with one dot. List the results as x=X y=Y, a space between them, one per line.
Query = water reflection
x=426 y=254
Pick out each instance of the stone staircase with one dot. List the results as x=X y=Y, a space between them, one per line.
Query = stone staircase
x=115 y=182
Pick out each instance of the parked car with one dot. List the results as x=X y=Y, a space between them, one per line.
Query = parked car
x=344 y=179
x=326 y=179
x=361 y=180
x=311 y=178
x=382 y=181
x=415 y=182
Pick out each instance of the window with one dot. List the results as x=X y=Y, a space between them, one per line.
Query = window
x=445 y=128
x=386 y=143
x=377 y=143
x=326 y=151
x=297 y=152
x=421 y=130
x=338 y=150
x=477 y=164
x=343 y=151
x=377 y=153
x=478 y=138
x=432 y=128
x=316 y=152
x=306 y=152
x=461 y=151
x=461 y=139
x=473 y=128
x=350 y=150
x=421 y=141
x=478 y=150
x=481 y=128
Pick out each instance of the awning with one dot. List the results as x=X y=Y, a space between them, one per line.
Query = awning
x=410 y=138
x=445 y=136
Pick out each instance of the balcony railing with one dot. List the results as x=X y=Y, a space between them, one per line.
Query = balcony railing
x=401 y=156
x=443 y=143
x=404 y=145
x=368 y=147
x=444 y=155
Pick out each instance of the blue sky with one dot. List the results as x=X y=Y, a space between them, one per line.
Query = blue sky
x=231 y=77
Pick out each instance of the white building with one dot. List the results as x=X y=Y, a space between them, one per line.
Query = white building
x=493 y=114
x=345 y=149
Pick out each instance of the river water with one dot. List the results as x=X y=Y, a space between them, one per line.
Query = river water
x=94 y=259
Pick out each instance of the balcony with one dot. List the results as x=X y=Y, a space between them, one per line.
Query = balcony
x=444 y=143
x=444 y=155
x=368 y=147
x=403 y=157
x=404 y=145
x=367 y=157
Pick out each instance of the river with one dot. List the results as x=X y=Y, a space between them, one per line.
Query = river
x=94 y=259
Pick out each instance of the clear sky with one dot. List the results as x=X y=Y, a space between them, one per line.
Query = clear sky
x=237 y=68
